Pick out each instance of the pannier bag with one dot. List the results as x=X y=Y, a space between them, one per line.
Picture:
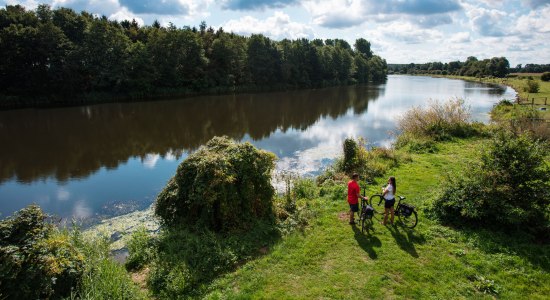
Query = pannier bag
x=406 y=209
x=369 y=211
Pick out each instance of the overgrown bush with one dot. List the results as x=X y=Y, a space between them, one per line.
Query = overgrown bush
x=531 y=86
x=141 y=248
x=509 y=188
x=368 y=163
x=439 y=121
x=223 y=186
x=36 y=259
x=350 y=162
x=545 y=76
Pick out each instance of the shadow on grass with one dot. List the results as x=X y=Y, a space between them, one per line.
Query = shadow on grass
x=537 y=252
x=188 y=260
x=367 y=241
x=406 y=239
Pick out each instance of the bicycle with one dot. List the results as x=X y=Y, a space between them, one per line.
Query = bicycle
x=406 y=213
x=365 y=216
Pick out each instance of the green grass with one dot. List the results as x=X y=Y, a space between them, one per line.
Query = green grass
x=518 y=83
x=333 y=260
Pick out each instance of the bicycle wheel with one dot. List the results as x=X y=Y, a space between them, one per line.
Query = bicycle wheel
x=408 y=221
x=366 y=224
x=377 y=202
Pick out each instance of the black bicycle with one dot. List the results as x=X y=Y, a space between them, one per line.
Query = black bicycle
x=406 y=213
x=365 y=216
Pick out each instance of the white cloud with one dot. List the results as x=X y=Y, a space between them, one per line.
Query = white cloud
x=101 y=7
x=488 y=22
x=460 y=37
x=336 y=13
x=81 y=210
x=150 y=160
x=407 y=33
x=124 y=14
x=535 y=22
x=278 y=26
x=63 y=194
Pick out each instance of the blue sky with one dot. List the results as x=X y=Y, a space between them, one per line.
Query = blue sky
x=401 y=31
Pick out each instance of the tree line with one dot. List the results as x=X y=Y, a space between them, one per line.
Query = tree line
x=530 y=68
x=55 y=55
x=496 y=67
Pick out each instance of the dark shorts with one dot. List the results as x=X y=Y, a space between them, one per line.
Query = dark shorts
x=389 y=203
x=354 y=207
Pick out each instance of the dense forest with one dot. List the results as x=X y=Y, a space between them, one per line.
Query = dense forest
x=60 y=56
x=496 y=67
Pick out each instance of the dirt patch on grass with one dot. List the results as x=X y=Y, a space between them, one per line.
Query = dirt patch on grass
x=140 y=278
x=343 y=216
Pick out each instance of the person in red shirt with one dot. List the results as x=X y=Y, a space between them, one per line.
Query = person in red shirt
x=354 y=193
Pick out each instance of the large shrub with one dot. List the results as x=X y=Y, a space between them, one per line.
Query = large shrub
x=509 y=188
x=223 y=186
x=36 y=260
x=531 y=86
x=439 y=120
x=545 y=76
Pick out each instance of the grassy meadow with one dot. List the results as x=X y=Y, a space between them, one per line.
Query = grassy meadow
x=518 y=82
x=333 y=260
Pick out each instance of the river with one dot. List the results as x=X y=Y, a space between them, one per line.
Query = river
x=99 y=161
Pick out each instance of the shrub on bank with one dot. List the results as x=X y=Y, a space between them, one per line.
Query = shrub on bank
x=439 y=121
x=509 y=189
x=545 y=76
x=531 y=86
x=223 y=186
x=36 y=260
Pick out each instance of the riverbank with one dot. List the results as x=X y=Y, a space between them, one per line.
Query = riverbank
x=539 y=100
x=335 y=260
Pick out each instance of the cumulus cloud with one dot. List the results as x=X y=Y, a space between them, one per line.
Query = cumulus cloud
x=488 y=22
x=414 y=7
x=278 y=26
x=102 y=7
x=63 y=194
x=150 y=160
x=432 y=21
x=537 y=3
x=162 y=7
x=409 y=34
x=124 y=14
x=460 y=37
x=348 y=13
x=534 y=22
x=256 y=4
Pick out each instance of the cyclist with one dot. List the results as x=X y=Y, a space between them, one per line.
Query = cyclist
x=354 y=193
x=389 y=199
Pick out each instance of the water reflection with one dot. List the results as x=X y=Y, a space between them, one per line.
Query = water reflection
x=76 y=142
x=104 y=160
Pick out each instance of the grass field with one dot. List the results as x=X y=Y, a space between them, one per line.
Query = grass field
x=539 y=100
x=333 y=260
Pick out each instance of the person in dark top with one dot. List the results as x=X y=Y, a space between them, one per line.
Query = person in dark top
x=354 y=193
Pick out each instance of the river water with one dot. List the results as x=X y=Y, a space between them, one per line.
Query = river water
x=99 y=161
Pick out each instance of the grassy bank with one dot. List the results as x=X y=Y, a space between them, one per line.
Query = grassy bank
x=335 y=260
x=518 y=83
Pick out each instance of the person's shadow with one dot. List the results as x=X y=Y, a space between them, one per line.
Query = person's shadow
x=405 y=241
x=367 y=242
